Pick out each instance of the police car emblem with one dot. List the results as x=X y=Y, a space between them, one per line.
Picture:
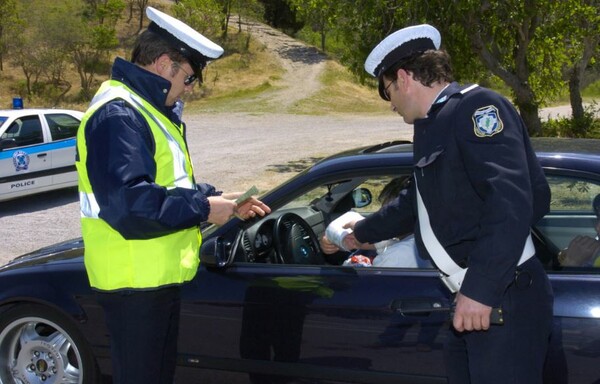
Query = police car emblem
x=487 y=121
x=20 y=161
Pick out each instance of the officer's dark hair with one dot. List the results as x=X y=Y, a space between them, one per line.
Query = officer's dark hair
x=149 y=46
x=427 y=67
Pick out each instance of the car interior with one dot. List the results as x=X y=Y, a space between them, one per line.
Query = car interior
x=62 y=126
x=27 y=131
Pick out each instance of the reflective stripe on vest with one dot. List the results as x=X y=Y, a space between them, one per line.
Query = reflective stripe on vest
x=113 y=262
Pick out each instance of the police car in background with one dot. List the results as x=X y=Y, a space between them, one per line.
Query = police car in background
x=37 y=150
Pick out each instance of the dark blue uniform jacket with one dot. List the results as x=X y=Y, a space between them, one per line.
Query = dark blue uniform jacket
x=483 y=189
x=122 y=170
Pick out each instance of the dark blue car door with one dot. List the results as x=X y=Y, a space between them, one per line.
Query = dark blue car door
x=274 y=323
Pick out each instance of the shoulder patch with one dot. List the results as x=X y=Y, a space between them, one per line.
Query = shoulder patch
x=487 y=122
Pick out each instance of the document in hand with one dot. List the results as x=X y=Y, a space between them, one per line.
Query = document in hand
x=336 y=232
x=246 y=195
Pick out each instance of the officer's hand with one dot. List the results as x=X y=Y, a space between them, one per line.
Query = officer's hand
x=350 y=242
x=221 y=209
x=470 y=315
x=250 y=208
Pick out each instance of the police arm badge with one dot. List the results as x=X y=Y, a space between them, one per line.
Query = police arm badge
x=487 y=121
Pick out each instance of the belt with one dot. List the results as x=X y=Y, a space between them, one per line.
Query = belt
x=453 y=277
x=451 y=274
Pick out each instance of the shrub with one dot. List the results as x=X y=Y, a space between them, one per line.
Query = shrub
x=586 y=127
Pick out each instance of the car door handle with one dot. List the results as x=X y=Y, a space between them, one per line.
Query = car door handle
x=419 y=306
x=42 y=155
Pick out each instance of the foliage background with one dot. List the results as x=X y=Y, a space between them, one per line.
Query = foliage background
x=536 y=52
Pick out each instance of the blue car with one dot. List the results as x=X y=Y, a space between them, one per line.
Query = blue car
x=268 y=306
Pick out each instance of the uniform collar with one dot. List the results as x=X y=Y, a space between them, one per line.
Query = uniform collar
x=151 y=87
x=449 y=91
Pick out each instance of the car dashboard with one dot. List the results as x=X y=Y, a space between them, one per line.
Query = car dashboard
x=257 y=244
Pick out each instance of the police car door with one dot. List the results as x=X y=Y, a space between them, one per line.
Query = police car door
x=24 y=160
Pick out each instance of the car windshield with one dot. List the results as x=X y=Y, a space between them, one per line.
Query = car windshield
x=3 y=119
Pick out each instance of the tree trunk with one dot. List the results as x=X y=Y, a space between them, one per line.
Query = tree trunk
x=130 y=13
x=528 y=108
x=530 y=113
x=575 y=95
x=590 y=44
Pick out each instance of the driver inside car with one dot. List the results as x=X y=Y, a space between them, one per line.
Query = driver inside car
x=399 y=252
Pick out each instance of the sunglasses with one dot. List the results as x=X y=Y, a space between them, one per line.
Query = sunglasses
x=385 y=90
x=189 y=79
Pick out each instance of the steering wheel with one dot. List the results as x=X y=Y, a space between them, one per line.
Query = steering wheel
x=295 y=241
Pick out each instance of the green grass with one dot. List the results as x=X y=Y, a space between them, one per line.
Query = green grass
x=592 y=91
x=239 y=100
x=340 y=93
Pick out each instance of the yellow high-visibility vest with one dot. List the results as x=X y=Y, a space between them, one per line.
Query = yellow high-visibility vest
x=113 y=262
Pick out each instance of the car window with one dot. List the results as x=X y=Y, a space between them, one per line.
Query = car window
x=570 y=228
x=62 y=126
x=25 y=131
x=323 y=204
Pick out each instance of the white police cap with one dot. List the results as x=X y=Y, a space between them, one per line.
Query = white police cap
x=190 y=43
x=401 y=44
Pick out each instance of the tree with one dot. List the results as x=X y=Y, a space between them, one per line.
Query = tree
x=579 y=23
x=8 y=20
x=510 y=39
x=41 y=49
x=364 y=24
x=280 y=15
x=141 y=6
x=533 y=46
x=250 y=8
x=202 y=15
x=321 y=15
x=97 y=36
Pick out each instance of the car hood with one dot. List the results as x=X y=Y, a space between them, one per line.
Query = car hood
x=67 y=250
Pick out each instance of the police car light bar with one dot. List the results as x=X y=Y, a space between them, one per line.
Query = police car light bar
x=17 y=103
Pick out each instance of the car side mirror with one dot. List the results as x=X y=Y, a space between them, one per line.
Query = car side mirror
x=214 y=252
x=362 y=197
x=7 y=143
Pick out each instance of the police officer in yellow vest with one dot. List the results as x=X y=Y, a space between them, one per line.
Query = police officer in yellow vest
x=140 y=205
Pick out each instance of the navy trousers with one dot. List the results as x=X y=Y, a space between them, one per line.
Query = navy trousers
x=512 y=353
x=144 y=327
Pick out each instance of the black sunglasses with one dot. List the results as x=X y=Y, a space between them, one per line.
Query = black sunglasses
x=189 y=79
x=385 y=90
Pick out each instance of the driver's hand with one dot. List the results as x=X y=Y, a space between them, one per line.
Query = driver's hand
x=581 y=251
x=327 y=246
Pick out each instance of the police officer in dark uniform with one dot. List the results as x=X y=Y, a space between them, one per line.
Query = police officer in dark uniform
x=483 y=189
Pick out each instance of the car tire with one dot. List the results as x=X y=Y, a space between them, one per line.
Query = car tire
x=40 y=345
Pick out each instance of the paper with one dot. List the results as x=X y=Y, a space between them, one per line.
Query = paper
x=246 y=195
x=336 y=232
